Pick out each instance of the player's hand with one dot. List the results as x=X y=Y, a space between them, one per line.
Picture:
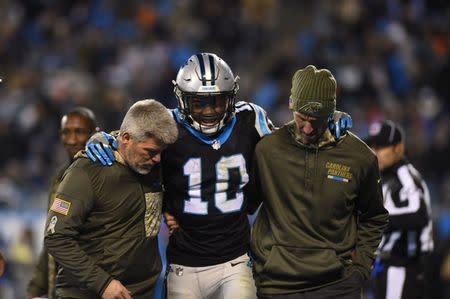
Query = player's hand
x=339 y=123
x=171 y=222
x=100 y=148
x=115 y=290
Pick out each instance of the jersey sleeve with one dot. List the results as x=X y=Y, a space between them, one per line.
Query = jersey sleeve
x=263 y=124
x=73 y=202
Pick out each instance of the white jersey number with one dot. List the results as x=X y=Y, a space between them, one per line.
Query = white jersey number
x=193 y=169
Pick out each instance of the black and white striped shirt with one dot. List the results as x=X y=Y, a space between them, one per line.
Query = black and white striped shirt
x=407 y=199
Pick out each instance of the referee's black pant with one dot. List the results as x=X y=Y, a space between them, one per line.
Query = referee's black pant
x=400 y=282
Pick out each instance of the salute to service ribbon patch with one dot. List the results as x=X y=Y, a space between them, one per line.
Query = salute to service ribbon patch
x=338 y=178
x=60 y=206
x=51 y=225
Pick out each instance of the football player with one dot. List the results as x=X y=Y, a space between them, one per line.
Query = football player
x=204 y=175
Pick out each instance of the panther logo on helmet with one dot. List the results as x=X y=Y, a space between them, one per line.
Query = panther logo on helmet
x=206 y=89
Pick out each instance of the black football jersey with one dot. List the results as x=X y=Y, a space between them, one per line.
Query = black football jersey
x=204 y=179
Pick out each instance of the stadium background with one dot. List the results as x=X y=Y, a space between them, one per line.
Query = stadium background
x=390 y=59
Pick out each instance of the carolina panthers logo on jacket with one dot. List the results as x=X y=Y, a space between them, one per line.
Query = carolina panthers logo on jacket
x=338 y=172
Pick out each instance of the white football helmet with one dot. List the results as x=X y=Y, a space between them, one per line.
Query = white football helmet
x=205 y=76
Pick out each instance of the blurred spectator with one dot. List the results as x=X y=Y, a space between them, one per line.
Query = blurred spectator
x=21 y=260
x=2 y=264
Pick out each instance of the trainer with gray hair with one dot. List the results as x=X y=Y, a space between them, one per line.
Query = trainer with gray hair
x=102 y=226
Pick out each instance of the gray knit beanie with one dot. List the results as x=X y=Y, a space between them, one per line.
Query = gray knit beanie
x=313 y=92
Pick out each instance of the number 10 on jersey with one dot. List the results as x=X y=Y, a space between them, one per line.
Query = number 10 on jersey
x=224 y=183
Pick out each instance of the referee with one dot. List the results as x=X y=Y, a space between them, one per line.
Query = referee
x=399 y=271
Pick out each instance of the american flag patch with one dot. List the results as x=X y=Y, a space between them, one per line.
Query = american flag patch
x=60 y=206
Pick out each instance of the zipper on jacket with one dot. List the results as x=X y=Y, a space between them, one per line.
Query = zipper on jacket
x=309 y=171
x=316 y=165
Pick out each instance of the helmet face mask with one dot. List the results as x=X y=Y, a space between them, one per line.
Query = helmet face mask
x=205 y=89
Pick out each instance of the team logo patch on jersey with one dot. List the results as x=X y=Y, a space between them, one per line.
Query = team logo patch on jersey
x=338 y=172
x=60 y=206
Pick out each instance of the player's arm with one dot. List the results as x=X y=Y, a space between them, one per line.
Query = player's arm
x=339 y=123
x=73 y=202
x=252 y=195
x=168 y=215
x=263 y=124
x=99 y=148
x=372 y=219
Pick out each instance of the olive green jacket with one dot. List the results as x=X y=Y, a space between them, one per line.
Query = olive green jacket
x=322 y=215
x=43 y=279
x=103 y=224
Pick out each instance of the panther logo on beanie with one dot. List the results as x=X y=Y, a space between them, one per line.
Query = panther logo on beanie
x=313 y=92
